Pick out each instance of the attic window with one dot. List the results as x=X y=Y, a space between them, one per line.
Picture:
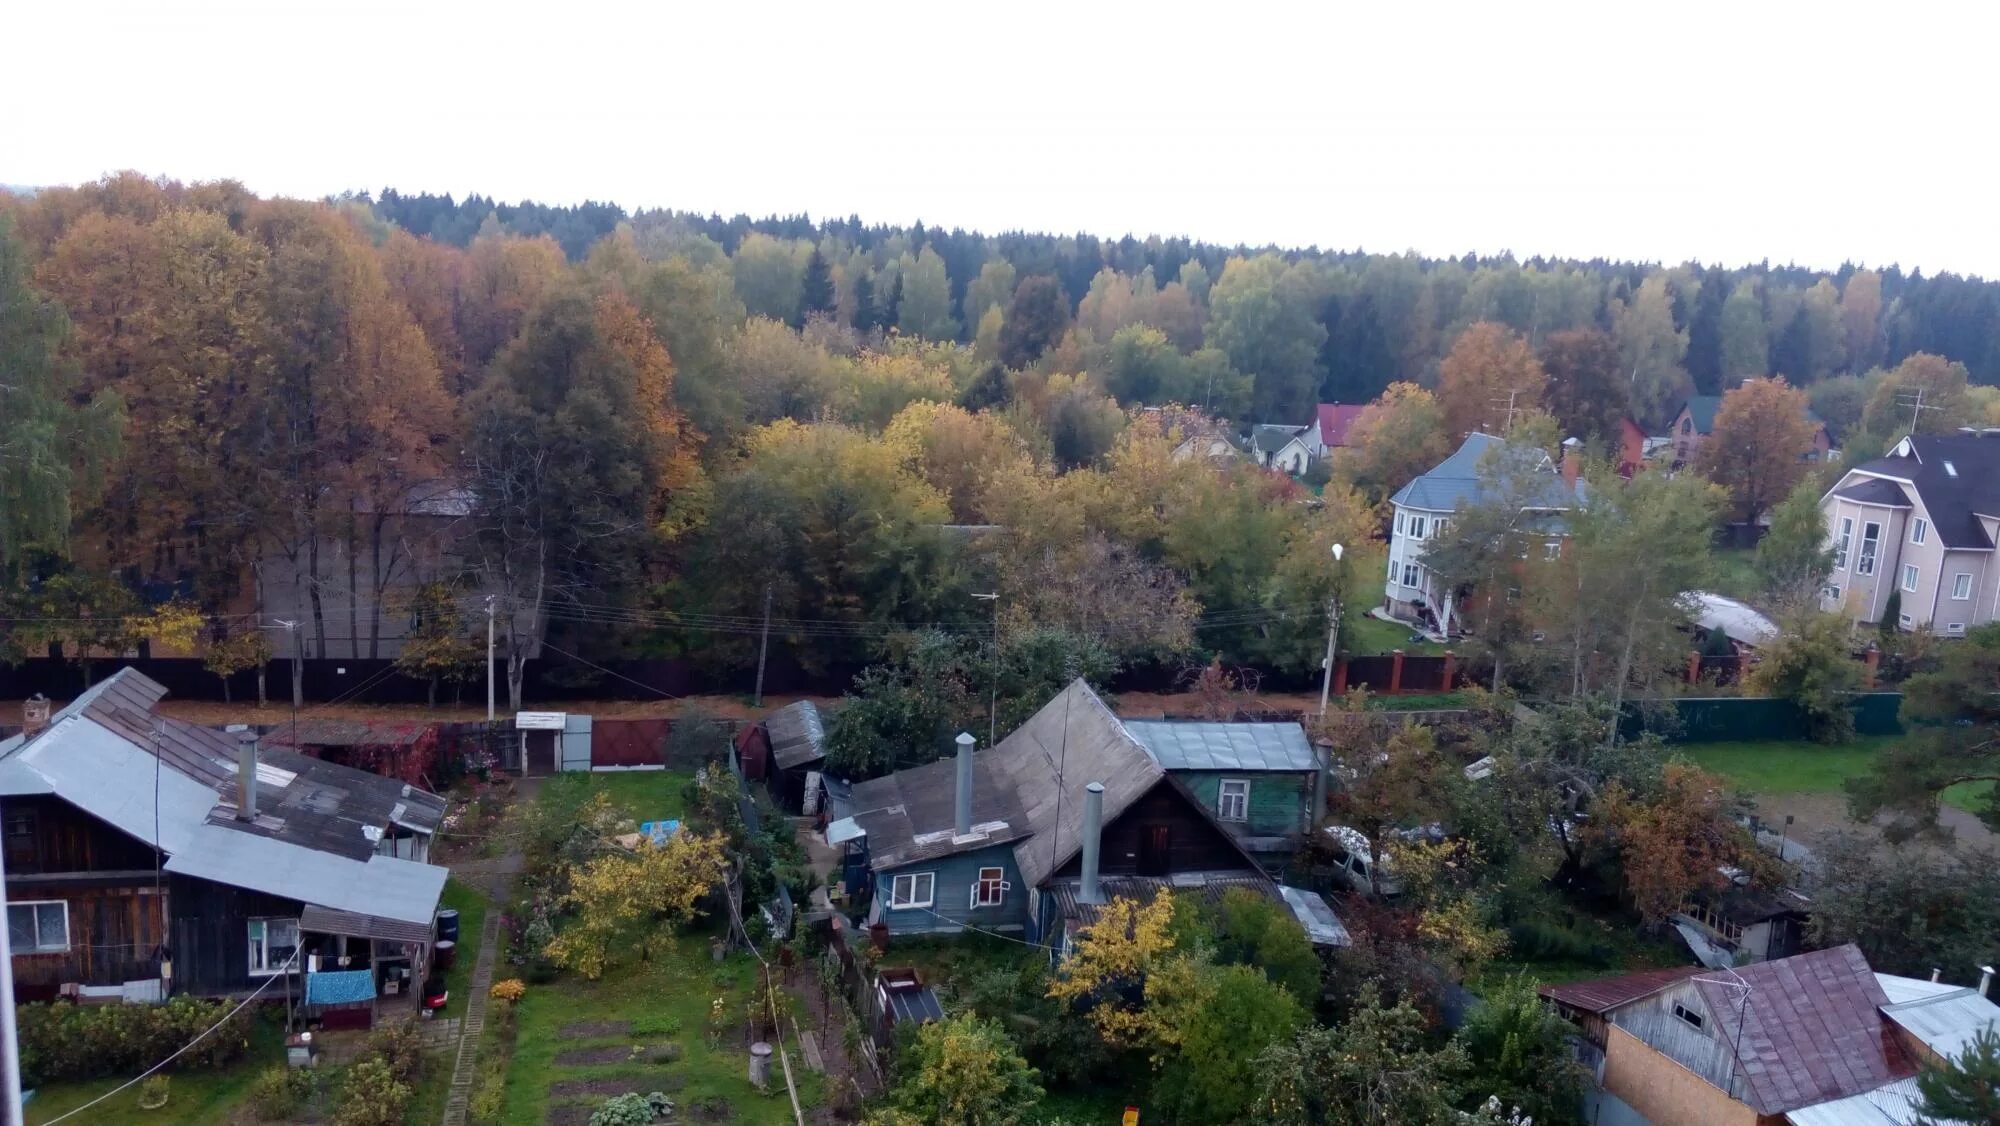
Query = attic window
x=1687 y=1016
x=1950 y=470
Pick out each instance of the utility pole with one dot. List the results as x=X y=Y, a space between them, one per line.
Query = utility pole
x=763 y=649
x=489 y=658
x=1332 y=636
x=1915 y=401
x=298 y=667
x=993 y=672
x=1507 y=420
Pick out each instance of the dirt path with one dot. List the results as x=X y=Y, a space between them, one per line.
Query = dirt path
x=1817 y=813
x=495 y=877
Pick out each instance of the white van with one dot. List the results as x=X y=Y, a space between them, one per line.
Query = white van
x=1353 y=859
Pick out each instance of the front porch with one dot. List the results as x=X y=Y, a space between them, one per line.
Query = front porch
x=359 y=969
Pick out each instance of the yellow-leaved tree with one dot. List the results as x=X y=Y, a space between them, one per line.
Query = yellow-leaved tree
x=632 y=901
x=1117 y=951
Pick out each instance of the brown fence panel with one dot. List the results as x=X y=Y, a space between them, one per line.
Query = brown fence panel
x=629 y=742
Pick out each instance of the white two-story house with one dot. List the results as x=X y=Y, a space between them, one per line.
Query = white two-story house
x=1424 y=510
x=1923 y=523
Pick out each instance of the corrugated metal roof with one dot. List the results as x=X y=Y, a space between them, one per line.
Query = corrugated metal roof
x=1737 y=619
x=1225 y=746
x=1901 y=989
x=344 y=733
x=1892 y=1104
x=1946 y=1022
x=1806 y=1029
x=1604 y=994
x=321 y=920
x=97 y=755
x=797 y=735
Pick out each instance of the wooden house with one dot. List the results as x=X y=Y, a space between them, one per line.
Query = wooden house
x=1259 y=780
x=147 y=856
x=1020 y=838
x=787 y=749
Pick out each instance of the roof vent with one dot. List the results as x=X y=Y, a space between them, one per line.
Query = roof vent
x=1950 y=470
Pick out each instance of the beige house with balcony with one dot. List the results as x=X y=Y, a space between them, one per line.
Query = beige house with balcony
x=1922 y=522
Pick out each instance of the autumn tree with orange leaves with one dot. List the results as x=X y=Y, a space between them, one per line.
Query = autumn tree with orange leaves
x=1674 y=844
x=1758 y=446
x=1488 y=370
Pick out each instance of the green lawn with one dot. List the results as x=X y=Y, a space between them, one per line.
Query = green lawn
x=471 y=908
x=197 y=1098
x=1805 y=768
x=663 y=1001
x=1367 y=636
x=652 y=795
x=1736 y=574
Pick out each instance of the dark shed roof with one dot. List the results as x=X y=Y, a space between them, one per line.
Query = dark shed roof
x=1604 y=994
x=798 y=737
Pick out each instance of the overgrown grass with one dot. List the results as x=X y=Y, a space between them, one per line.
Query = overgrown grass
x=471 y=907
x=1418 y=701
x=1368 y=636
x=1736 y=574
x=652 y=795
x=197 y=1098
x=664 y=1000
x=1806 y=768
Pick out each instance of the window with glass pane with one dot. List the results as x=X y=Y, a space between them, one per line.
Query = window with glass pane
x=38 y=927
x=1961 y=586
x=1871 y=538
x=1233 y=802
x=272 y=944
x=1841 y=545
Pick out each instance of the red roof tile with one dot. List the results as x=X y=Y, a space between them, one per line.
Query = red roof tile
x=1606 y=993
x=1335 y=418
x=1804 y=1029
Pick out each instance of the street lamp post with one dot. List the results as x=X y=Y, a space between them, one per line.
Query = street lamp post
x=1332 y=635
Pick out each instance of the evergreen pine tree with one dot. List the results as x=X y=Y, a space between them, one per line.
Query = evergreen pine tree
x=1792 y=358
x=988 y=390
x=894 y=309
x=816 y=291
x=864 y=303
x=1892 y=613
x=1967 y=1087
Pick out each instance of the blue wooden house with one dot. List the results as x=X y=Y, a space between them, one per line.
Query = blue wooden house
x=1026 y=836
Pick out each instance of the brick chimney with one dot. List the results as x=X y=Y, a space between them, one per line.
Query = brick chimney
x=1572 y=460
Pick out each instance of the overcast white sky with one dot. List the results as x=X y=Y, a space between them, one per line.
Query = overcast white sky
x=1726 y=133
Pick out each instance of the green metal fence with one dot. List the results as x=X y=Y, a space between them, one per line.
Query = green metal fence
x=1718 y=719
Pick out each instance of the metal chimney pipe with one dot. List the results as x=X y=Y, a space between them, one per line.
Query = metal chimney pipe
x=1093 y=828
x=1985 y=979
x=962 y=822
x=246 y=776
x=1937 y=972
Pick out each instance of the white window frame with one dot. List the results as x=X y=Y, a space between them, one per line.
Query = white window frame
x=1413 y=576
x=1439 y=526
x=1552 y=550
x=900 y=900
x=1912 y=578
x=1955 y=629
x=1418 y=525
x=1689 y=1017
x=1232 y=791
x=1842 y=542
x=1961 y=586
x=1831 y=593
x=37 y=906
x=1401 y=521
x=258 y=938
x=995 y=878
x=1920 y=530
x=1871 y=546
x=1907 y=622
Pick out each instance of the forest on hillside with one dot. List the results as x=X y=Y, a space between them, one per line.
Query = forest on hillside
x=667 y=425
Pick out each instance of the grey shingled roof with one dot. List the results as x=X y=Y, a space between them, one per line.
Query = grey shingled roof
x=1957 y=477
x=312 y=837
x=910 y=815
x=1269 y=439
x=797 y=735
x=1875 y=490
x=1455 y=483
x=1244 y=747
x=1073 y=741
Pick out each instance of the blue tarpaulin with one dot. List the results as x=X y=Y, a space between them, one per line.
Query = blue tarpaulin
x=340 y=987
x=659 y=831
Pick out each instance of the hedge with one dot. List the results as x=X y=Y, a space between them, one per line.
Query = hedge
x=65 y=1041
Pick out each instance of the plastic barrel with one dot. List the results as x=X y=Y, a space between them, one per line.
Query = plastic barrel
x=446 y=951
x=447 y=925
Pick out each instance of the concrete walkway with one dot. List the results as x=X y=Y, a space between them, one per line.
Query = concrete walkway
x=495 y=877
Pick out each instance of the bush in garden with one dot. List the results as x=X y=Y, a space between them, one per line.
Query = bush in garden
x=400 y=1046
x=64 y=1041
x=280 y=1093
x=372 y=1096
x=510 y=991
x=623 y=1110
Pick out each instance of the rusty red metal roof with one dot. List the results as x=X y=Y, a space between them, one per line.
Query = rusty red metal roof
x=1805 y=1029
x=1601 y=995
